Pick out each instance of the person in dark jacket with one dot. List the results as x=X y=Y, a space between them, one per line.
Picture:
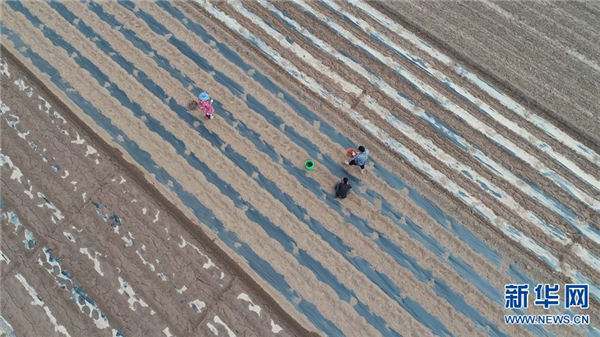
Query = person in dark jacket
x=342 y=189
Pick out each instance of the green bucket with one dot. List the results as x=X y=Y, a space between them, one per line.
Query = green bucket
x=309 y=164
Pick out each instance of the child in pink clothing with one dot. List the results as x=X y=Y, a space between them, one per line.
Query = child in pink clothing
x=206 y=105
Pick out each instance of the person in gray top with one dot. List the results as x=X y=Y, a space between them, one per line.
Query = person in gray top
x=360 y=159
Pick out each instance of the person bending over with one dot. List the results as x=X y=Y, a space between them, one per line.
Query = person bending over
x=360 y=159
x=342 y=189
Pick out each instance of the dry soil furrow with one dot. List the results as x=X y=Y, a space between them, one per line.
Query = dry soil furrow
x=502 y=34
x=555 y=105
x=544 y=22
x=582 y=11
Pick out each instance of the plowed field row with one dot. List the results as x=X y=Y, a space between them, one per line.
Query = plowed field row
x=466 y=190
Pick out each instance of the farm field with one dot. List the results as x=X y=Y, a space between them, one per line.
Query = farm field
x=124 y=213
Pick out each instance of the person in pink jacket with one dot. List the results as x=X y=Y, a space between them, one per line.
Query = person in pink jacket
x=206 y=105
